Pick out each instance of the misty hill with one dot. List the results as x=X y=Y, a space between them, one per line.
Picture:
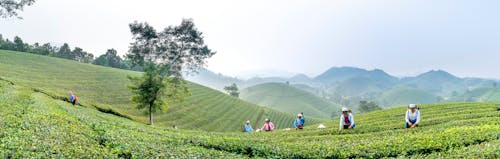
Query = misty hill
x=287 y=98
x=349 y=85
x=402 y=95
x=439 y=82
x=212 y=79
x=339 y=74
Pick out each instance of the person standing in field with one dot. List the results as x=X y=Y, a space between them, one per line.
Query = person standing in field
x=346 y=120
x=412 y=116
x=268 y=126
x=299 y=122
x=72 y=98
x=248 y=127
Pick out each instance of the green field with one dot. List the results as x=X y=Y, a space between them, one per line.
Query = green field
x=287 y=98
x=40 y=125
x=35 y=125
x=106 y=88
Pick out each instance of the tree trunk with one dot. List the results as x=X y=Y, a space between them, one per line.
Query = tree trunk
x=150 y=114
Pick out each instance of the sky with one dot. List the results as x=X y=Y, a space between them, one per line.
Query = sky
x=284 y=37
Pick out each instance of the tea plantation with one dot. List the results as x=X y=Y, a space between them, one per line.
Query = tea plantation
x=36 y=123
x=106 y=89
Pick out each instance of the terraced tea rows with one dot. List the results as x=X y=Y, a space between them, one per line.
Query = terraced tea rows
x=35 y=125
x=106 y=88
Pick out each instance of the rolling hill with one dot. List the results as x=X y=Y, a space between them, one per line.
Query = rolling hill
x=404 y=95
x=287 y=98
x=106 y=89
x=35 y=125
x=349 y=85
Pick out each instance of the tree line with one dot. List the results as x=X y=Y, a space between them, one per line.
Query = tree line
x=109 y=59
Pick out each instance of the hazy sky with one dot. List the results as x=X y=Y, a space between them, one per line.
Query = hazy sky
x=402 y=37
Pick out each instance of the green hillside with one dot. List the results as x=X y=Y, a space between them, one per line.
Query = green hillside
x=35 y=125
x=106 y=88
x=404 y=95
x=283 y=97
x=481 y=94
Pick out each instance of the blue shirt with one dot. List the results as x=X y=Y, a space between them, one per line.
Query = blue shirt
x=297 y=122
x=248 y=128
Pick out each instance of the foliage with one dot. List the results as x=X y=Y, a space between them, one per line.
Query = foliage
x=110 y=59
x=36 y=126
x=365 y=106
x=77 y=54
x=9 y=8
x=153 y=92
x=232 y=90
x=164 y=55
x=206 y=109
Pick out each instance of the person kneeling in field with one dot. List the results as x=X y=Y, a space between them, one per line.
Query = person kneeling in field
x=268 y=126
x=248 y=127
x=346 y=120
x=412 y=116
x=298 y=123
x=73 y=98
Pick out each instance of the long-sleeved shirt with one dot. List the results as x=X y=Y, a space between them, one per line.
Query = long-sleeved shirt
x=248 y=128
x=297 y=122
x=71 y=98
x=268 y=126
x=343 y=122
x=412 y=116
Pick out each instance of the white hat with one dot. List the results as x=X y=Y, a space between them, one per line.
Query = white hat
x=344 y=109
x=248 y=121
x=412 y=105
x=299 y=114
x=267 y=119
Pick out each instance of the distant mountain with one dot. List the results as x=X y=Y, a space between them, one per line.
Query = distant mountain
x=351 y=81
x=211 y=79
x=259 y=80
x=436 y=81
x=348 y=85
x=336 y=74
x=287 y=98
x=300 y=78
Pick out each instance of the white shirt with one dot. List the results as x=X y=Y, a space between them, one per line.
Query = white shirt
x=412 y=116
x=351 y=119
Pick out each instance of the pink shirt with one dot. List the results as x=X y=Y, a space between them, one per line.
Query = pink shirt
x=268 y=127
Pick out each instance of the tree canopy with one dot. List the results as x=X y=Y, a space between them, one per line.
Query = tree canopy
x=10 y=8
x=164 y=56
x=232 y=90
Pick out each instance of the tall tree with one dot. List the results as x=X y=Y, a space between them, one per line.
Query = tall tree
x=87 y=57
x=45 y=49
x=19 y=44
x=164 y=56
x=111 y=59
x=77 y=54
x=232 y=90
x=2 y=42
x=9 y=8
x=64 y=51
